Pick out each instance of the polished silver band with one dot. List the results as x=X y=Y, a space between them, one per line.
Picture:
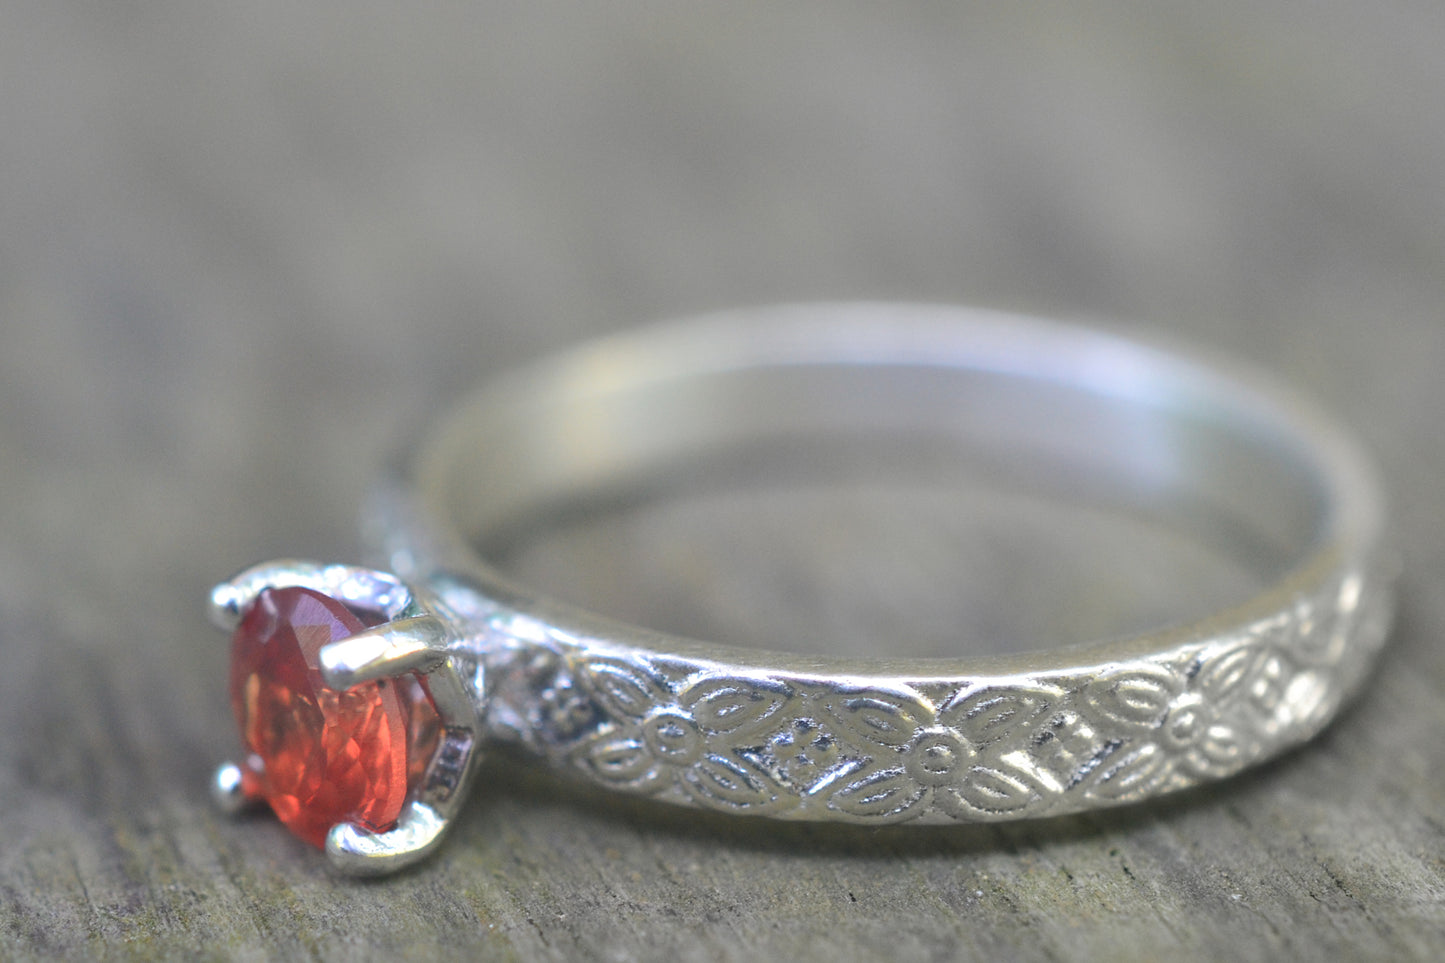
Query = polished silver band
x=1058 y=410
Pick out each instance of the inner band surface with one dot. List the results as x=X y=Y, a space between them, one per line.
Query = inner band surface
x=873 y=390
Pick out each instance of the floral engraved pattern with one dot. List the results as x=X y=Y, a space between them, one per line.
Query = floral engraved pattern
x=937 y=757
x=734 y=706
x=751 y=740
x=879 y=795
x=1136 y=697
x=1004 y=714
x=623 y=690
x=875 y=718
x=803 y=754
x=1006 y=787
x=672 y=736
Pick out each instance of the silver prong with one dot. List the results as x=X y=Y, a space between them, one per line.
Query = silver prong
x=231 y=598
x=362 y=587
x=227 y=602
x=417 y=644
x=356 y=852
x=227 y=789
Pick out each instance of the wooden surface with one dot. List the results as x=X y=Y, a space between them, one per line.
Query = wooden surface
x=244 y=248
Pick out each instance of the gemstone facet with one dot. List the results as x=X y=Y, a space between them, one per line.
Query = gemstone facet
x=316 y=755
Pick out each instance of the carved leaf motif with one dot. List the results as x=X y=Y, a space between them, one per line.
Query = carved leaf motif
x=1267 y=686
x=1001 y=788
x=882 y=795
x=1225 y=674
x=877 y=718
x=995 y=714
x=1130 y=773
x=1220 y=752
x=730 y=784
x=672 y=736
x=621 y=763
x=1310 y=698
x=723 y=705
x=1136 y=697
x=622 y=690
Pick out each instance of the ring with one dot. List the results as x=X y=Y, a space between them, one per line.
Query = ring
x=364 y=698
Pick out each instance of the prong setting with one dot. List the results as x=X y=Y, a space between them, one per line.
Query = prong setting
x=228 y=790
x=357 y=852
x=416 y=644
x=352 y=585
x=226 y=607
x=416 y=638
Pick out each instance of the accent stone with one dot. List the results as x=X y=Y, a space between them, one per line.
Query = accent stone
x=316 y=755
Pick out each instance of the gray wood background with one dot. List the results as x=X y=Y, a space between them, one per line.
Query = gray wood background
x=245 y=248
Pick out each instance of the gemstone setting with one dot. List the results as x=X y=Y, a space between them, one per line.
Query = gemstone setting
x=322 y=757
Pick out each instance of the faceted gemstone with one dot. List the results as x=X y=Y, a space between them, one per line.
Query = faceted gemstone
x=318 y=756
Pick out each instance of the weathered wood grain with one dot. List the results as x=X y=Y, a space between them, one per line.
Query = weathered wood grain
x=244 y=249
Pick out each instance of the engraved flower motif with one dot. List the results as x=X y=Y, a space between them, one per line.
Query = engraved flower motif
x=937 y=756
x=568 y=712
x=1187 y=722
x=1198 y=738
x=805 y=752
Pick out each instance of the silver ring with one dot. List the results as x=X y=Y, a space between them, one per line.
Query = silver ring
x=417 y=671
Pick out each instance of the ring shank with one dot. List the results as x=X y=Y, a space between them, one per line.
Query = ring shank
x=1039 y=407
x=1031 y=405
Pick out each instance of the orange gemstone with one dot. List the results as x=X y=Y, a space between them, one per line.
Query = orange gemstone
x=318 y=756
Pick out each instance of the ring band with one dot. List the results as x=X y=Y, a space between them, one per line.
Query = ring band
x=1213 y=447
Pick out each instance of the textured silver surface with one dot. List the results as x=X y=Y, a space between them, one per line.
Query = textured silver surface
x=884 y=739
x=815 y=746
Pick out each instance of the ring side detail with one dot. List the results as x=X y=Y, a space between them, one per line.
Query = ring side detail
x=867 y=741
